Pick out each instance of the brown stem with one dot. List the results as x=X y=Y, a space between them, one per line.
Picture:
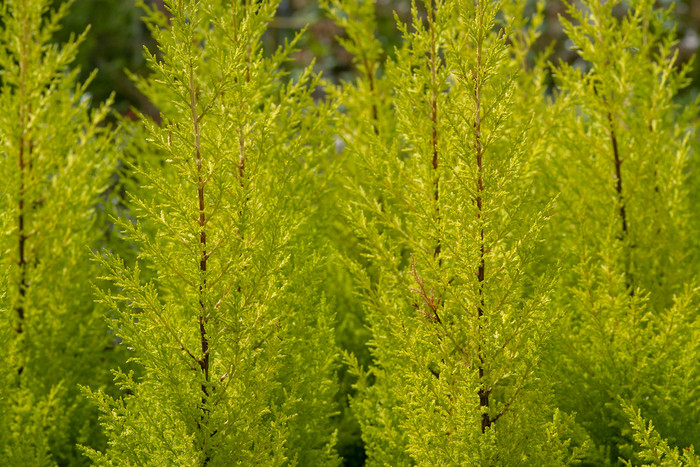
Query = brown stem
x=507 y=405
x=481 y=270
x=429 y=299
x=22 y=238
x=241 y=157
x=23 y=168
x=620 y=198
x=249 y=52
x=241 y=177
x=434 y=120
x=372 y=91
x=204 y=361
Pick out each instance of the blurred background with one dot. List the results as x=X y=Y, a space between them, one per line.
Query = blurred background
x=117 y=36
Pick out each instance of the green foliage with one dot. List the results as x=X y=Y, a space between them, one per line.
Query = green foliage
x=654 y=449
x=235 y=343
x=56 y=158
x=466 y=255
x=438 y=196
x=623 y=228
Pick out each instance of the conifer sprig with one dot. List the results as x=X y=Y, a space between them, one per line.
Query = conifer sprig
x=653 y=448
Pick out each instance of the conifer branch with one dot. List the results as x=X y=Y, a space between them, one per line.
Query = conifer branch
x=429 y=299
x=175 y=336
x=215 y=248
x=179 y=273
x=629 y=285
x=23 y=169
x=481 y=270
x=242 y=157
x=234 y=21
x=22 y=237
x=434 y=122
x=507 y=405
x=369 y=69
x=622 y=208
x=203 y=318
x=433 y=303
x=228 y=287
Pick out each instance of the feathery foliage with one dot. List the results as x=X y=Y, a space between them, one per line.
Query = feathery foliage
x=55 y=158
x=653 y=448
x=235 y=345
x=504 y=250
x=623 y=231
x=440 y=203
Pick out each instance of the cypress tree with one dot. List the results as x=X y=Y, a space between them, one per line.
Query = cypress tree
x=235 y=346
x=366 y=101
x=441 y=207
x=56 y=157
x=652 y=447
x=624 y=229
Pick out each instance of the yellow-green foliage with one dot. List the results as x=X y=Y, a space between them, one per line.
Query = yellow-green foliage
x=629 y=292
x=55 y=161
x=234 y=341
x=652 y=447
x=441 y=205
x=497 y=254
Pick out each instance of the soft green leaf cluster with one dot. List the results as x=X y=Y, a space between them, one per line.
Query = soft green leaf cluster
x=623 y=228
x=653 y=448
x=448 y=227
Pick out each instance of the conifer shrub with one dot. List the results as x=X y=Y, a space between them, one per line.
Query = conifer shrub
x=623 y=229
x=438 y=182
x=235 y=345
x=365 y=101
x=56 y=157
